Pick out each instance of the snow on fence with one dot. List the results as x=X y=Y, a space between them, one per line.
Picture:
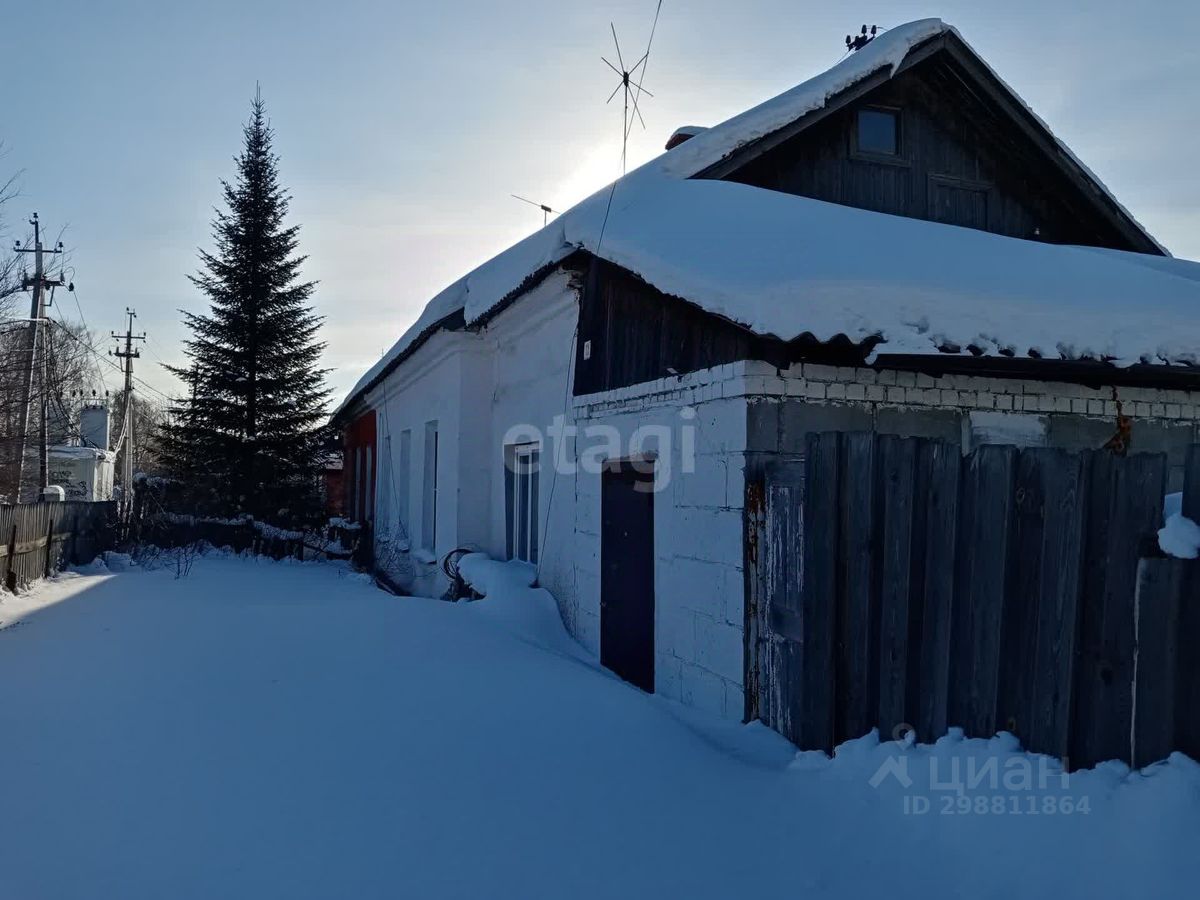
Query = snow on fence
x=170 y=530
x=896 y=583
x=37 y=539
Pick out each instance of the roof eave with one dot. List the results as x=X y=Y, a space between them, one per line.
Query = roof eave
x=456 y=321
x=352 y=405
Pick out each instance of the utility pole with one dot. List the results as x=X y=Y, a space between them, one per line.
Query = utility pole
x=128 y=355
x=36 y=353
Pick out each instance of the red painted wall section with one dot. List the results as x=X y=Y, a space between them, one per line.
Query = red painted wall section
x=358 y=469
x=335 y=493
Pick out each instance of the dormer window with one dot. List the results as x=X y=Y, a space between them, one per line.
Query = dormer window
x=878 y=132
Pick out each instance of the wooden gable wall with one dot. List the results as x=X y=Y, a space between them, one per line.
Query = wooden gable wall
x=630 y=332
x=962 y=161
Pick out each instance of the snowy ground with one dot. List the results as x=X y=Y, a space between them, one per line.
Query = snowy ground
x=271 y=730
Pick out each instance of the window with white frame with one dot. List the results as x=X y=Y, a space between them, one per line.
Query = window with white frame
x=522 y=463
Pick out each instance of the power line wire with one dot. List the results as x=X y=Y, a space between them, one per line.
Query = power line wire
x=75 y=294
x=155 y=355
x=153 y=340
x=100 y=356
x=645 y=65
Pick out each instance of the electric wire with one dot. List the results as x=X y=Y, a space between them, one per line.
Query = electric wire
x=100 y=356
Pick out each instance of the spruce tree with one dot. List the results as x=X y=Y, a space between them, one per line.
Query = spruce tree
x=246 y=438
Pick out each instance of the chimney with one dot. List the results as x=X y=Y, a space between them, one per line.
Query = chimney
x=687 y=132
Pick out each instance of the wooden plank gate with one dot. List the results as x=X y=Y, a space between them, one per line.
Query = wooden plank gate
x=38 y=539
x=898 y=584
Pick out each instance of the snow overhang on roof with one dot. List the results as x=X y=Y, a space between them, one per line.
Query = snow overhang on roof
x=768 y=258
x=788 y=266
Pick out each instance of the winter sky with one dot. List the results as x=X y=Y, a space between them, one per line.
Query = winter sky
x=403 y=127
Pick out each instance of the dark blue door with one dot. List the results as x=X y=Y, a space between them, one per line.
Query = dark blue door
x=627 y=572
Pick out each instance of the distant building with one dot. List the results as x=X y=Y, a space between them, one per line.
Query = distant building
x=84 y=473
x=81 y=462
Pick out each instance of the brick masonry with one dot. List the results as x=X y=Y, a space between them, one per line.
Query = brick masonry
x=811 y=381
x=873 y=386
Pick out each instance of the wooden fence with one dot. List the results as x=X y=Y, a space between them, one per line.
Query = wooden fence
x=37 y=539
x=168 y=532
x=895 y=582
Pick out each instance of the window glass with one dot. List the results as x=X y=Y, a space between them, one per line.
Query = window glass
x=878 y=132
x=430 y=488
x=521 y=489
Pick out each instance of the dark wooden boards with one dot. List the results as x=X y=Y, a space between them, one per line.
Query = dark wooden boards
x=820 y=590
x=38 y=539
x=909 y=586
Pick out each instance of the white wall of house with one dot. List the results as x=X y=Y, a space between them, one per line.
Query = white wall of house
x=530 y=349
x=480 y=388
x=421 y=396
x=476 y=471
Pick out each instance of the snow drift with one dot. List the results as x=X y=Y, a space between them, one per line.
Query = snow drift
x=273 y=730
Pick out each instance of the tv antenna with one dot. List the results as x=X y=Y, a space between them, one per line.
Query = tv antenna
x=631 y=83
x=546 y=211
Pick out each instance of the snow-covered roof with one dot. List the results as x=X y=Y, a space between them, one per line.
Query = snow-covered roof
x=786 y=265
x=70 y=451
x=711 y=146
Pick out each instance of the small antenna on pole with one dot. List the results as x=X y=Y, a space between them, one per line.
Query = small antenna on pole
x=546 y=211
x=631 y=83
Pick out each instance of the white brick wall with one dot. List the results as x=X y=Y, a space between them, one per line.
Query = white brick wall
x=698 y=530
x=890 y=388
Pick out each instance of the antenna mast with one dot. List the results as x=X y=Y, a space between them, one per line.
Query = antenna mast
x=631 y=83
